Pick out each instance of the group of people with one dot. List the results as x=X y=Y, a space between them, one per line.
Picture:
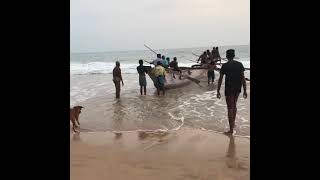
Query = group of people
x=210 y=59
x=162 y=65
x=233 y=70
x=165 y=63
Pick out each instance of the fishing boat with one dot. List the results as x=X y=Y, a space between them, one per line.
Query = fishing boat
x=189 y=75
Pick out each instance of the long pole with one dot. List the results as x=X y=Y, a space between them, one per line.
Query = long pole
x=150 y=49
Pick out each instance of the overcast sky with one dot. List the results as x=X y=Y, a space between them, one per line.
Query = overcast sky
x=116 y=25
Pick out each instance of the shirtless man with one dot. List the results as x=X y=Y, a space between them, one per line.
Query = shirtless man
x=175 y=67
x=203 y=58
x=117 y=77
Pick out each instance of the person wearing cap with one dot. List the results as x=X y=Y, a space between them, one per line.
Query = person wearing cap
x=117 y=77
x=160 y=74
x=234 y=72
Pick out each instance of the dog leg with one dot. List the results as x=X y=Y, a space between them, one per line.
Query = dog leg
x=74 y=129
x=74 y=125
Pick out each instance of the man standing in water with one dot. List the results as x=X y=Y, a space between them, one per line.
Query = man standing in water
x=210 y=72
x=160 y=73
x=234 y=72
x=117 y=78
x=142 y=77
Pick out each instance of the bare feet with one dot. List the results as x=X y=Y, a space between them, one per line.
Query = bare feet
x=229 y=132
x=118 y=133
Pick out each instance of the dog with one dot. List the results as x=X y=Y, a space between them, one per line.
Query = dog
x=74 y=117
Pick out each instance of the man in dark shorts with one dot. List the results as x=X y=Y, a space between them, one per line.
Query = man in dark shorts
x=117 y=78
x=142 y=70
x=234 y=72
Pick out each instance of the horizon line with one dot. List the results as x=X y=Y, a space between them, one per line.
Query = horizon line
x=90 y=52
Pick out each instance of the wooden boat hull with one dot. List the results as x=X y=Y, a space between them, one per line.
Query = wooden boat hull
x=172 y=83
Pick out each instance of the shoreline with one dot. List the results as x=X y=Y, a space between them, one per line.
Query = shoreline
x=185 y=154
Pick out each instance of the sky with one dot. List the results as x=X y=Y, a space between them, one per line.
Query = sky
x=120 y=25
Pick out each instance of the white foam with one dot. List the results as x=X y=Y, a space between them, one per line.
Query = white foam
x=176 y=118
x=100 y=68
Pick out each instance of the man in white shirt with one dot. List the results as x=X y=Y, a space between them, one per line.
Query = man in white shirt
x=155 y=62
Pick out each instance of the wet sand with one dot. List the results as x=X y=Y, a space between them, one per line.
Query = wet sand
x=193 y=106
x=187 y=148
x=185 y=154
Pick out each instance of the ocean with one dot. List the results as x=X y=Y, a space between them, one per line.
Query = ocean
x=193 y=105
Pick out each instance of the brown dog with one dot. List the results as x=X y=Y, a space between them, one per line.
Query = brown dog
x=74 y=116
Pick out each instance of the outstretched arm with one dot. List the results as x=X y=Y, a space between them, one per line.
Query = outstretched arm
x=219 y=85
x=199 y=59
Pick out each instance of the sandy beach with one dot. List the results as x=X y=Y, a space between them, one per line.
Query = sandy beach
x=184 y=154
x=176 y=136
x=189 y=145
